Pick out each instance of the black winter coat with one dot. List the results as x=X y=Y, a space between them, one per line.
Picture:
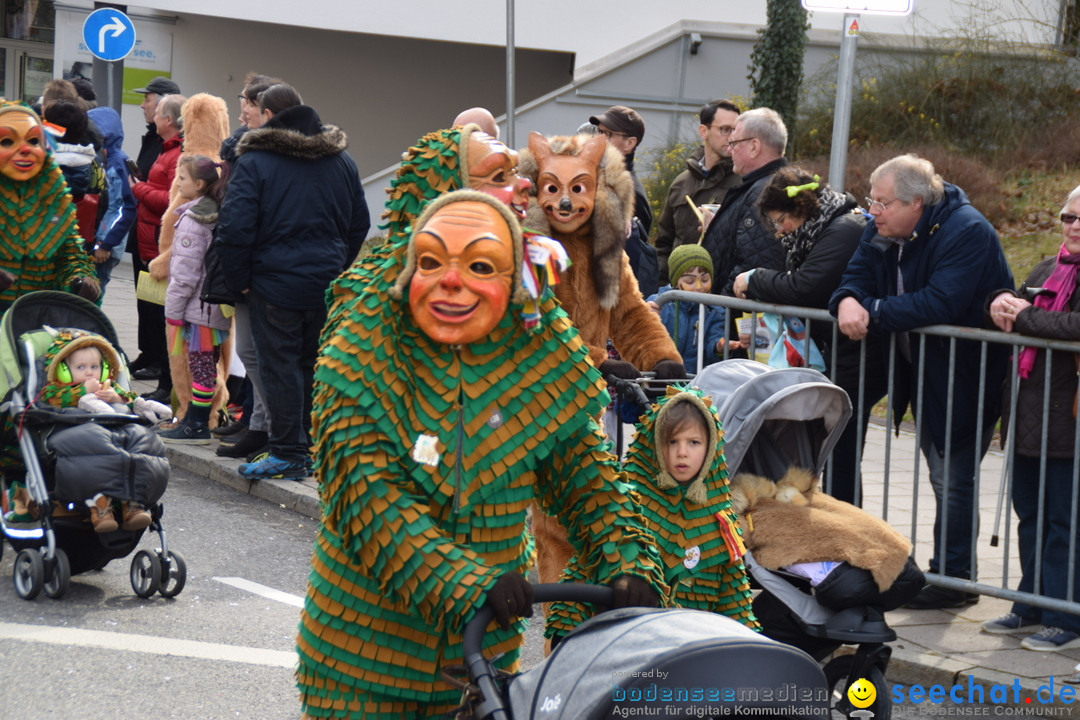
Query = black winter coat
x=294 y=214
x=813 y=282
x=737 y=239
x=1060 y=428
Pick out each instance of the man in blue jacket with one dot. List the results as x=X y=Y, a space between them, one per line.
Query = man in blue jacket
x=930 y=258
x=293 y=218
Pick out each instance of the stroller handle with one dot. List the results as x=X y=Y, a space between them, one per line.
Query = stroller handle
x=472 y=641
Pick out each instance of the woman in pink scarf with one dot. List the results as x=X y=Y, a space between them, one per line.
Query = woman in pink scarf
x=1053 y=312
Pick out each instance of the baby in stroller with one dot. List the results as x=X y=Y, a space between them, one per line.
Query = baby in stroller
x=81 y=370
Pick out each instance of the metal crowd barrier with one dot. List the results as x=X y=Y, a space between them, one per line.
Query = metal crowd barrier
x=985 y=337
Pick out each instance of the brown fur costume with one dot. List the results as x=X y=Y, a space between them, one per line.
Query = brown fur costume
x=205 y=123
x=793 y=522
x=599 y=293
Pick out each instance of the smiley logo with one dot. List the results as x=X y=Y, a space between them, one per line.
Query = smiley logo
x=862 y=693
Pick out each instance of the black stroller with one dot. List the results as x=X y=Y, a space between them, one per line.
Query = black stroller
x=641 y=662
x=774 y=420
x=60 y=540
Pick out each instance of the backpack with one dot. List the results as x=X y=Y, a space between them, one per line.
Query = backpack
x=643 y=259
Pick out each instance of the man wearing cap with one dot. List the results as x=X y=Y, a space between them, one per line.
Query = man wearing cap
x=152 y=359
x=624 y=130
x=706 y=180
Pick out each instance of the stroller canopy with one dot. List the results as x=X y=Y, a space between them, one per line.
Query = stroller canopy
x=775 y=418
x=32 y=312
x=674 y=663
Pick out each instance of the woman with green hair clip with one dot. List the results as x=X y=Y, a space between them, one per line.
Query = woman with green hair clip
x=820 y=229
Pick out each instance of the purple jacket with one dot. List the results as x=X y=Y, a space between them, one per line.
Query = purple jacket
x=194 y=231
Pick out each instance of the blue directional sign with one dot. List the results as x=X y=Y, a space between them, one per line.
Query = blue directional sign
x=109 y=34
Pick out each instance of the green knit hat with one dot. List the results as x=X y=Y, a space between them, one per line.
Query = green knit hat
x=685 y=257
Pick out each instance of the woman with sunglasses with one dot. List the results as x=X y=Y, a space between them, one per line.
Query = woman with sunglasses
x=1046 y=306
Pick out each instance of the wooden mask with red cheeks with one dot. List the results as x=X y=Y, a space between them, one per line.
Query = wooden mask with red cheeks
x=22 y=145
x=464 y=273
x=566 y=184
x=493 y=170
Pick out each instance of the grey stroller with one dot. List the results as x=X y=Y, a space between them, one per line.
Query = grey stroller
x=778 y=419
x=673 y=663
x=60 y=541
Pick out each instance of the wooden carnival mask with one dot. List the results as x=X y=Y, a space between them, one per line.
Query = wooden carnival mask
x=566 y=184
x=493 y=170
x=22 y=145
x=464 y=273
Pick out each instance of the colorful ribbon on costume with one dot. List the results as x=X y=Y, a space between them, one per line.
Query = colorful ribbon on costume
x=544 y=258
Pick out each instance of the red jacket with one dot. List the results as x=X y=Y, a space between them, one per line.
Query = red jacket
x=153 y=198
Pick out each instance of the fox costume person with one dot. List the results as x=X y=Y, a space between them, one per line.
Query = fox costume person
x=585 y=200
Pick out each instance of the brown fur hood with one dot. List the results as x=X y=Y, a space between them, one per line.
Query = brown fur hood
x=611 y=216
x=791 y=521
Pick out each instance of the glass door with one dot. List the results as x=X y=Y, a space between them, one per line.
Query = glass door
x=35 y=72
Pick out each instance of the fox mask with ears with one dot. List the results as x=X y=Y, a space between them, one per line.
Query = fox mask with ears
x=566 y=184
x=584 y=196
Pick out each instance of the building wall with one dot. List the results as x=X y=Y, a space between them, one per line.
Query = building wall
x=386 y=90
x=594 y=30
x=383 y=91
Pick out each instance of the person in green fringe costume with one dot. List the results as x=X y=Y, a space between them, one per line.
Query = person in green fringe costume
x=41 y=248
x=437 y=422
x=676 y=462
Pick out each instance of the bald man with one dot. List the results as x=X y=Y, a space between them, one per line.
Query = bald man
x=480 y=116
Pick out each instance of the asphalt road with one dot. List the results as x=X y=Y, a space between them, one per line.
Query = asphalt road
x=223 y=648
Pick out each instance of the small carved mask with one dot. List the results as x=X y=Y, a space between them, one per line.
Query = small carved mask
x=22 y=145
x=493 y=170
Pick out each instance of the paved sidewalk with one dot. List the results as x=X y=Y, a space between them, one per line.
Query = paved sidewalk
x=934 y=647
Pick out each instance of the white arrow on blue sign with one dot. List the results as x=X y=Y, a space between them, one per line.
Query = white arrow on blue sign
x=108 y=34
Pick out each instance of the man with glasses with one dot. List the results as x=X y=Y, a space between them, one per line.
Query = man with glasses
x=706 y=181
x=930 y=258
x=738 y=239
x=624 y=129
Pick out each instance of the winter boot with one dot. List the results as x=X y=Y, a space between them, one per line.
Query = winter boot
x=101 y=514
x=194 y=429
x=23 y=509
x=135 y=516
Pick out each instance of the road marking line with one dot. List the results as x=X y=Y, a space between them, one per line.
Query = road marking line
x=147 y=644
x=266 y=592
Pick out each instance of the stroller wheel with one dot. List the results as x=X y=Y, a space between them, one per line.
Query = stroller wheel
x=173 y=574
x=28 y=573
x=840 y=673
x=145 y=573
x=58 y=575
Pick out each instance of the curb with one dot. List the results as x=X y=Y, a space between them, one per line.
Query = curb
x=300 y=496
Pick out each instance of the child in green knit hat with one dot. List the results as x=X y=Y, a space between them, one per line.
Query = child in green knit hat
x=690 y=268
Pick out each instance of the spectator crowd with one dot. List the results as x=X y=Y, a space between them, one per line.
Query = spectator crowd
x=274 y=213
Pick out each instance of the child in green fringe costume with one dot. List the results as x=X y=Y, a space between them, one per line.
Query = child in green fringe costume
x=676 y=461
